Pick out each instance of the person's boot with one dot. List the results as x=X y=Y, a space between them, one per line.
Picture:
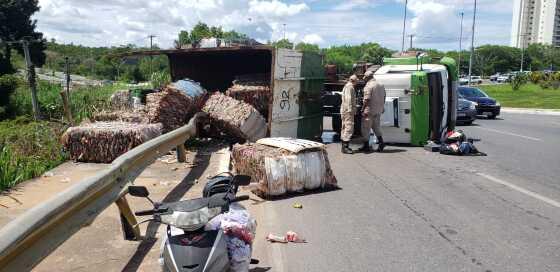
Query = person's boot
x=380 y=144
x=346 y=148
x=366 y=148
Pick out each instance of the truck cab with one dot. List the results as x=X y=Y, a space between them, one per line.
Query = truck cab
x=421 y=99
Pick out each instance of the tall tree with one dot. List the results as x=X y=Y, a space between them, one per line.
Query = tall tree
x=16 y=24
x=307 y=47
x=283 y=43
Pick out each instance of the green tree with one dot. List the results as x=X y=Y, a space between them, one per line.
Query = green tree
x=16 y=24
x=199 y=32
x=375 y=53
x=307 y=47
x=283 y=43
x=183 y=39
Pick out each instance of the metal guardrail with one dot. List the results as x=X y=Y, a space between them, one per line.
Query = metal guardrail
x=32 y=236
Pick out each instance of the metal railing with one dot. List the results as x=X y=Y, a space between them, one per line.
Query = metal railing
x=32 y=236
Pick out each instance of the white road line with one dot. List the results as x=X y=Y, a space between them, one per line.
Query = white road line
x=511 y=134
x=522 y=190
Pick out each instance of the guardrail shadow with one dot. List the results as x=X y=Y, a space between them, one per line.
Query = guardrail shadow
x=175 y=195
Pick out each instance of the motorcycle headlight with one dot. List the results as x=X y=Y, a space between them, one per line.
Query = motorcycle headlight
x=190 y=221
x=473 y=106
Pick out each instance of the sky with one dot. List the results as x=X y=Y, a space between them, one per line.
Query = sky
x=435 y=24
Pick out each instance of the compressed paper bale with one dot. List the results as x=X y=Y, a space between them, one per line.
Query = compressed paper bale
x=102 y=142
x=121 y=100
x=277 y=171
x=170 y=107
x=257 y=96
x=235 y=118
x=122 y=116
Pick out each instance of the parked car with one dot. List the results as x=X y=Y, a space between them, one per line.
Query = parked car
x=476 y=79
x=494 y=77
x=503 y=79
x=486 y=105
x=466 y=111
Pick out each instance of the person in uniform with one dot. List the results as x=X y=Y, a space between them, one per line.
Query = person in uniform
x=373 y=107
x=347 y=112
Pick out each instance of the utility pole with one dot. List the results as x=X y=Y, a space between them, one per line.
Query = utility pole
x=151 y=36
x=411 y=36
x=284 y=30
x=67 y=70
x=31 y=80
x=472 y=44
x=66 y=94
x=404 y=25
x=460 y=44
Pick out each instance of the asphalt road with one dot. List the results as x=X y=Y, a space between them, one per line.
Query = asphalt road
x=411 y=210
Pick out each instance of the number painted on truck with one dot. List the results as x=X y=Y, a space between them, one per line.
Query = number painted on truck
x=285 y=100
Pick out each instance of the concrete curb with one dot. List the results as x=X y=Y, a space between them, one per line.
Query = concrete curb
x=553 y=112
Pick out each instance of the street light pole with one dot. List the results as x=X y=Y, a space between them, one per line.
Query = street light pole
x=460 y=44
x=404 y=25
x=472 y=44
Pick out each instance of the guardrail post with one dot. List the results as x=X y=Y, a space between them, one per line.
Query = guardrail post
x=130 y=230
x=181 y=153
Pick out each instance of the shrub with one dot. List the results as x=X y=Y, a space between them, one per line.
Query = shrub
x=537 y=76
x=517 y=81
x=160 y=79
x=8 y=84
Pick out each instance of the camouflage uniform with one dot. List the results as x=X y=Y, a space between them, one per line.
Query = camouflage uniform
x=375 y=93
x=347 y=112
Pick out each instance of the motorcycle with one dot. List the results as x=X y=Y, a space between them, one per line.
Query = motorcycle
x=188 y=245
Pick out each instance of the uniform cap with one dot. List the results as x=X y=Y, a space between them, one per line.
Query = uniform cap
x=353 y=78
x=368 y=74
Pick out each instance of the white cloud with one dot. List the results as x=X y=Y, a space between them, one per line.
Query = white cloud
x=275 y=8
x=326 y=22
x=313 y=39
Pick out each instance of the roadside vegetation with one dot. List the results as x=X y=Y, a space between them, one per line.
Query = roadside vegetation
x=528 y=95
x=28 y=148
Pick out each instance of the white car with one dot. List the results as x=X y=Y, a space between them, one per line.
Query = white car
x=502 y=79
x=476 y=79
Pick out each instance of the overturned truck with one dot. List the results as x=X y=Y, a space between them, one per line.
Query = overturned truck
x=421 y=99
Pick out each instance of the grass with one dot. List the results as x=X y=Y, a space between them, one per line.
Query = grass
x=84 y=101
x=528 y=96
x=28 y=149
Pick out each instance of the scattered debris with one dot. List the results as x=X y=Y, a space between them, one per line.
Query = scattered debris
x=102 y=142
x=65 y=180
x=48 y=174
x=289 y=237
x=235 y=118
x=298 y=206
x=457 y=143
x=278 y=171
x=276 y=238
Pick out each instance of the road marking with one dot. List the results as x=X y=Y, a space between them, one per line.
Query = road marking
x=521 y=190
x=512 y=134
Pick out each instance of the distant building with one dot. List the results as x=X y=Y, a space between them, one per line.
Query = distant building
x=535 y=21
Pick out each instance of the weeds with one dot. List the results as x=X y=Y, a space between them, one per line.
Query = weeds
x=27 y=149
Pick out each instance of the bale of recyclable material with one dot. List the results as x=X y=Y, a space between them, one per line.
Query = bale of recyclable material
x=253 y=90
x=235 y=118
x=170 y=107
x=121 y=115
x=121 y=100
x=102 y=142
x=278 y=171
